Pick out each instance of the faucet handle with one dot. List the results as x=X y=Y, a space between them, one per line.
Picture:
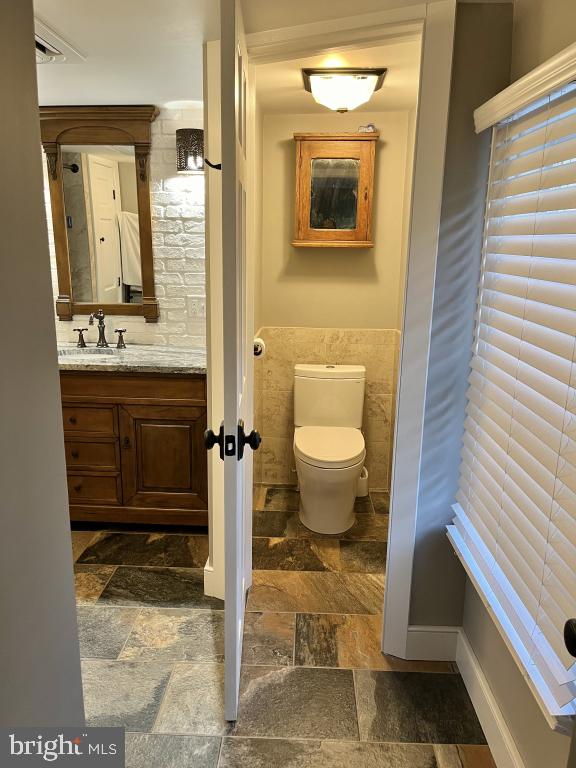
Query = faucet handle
x=80 y=332
x=121 y=344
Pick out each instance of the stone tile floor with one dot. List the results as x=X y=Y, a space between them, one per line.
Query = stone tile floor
x=316 y=692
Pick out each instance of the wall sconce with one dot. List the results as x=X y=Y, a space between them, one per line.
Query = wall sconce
x=344 y=88
x=189 y=150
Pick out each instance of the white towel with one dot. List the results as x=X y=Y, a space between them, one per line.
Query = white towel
x=130 y=249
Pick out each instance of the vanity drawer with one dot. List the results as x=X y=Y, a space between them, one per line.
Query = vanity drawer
x=94 y=489
x=100 y=453
x=99 y=419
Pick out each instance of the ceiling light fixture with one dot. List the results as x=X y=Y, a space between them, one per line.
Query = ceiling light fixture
x=344 y=88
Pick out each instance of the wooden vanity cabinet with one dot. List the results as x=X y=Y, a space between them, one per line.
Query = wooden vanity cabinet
x=134 y=447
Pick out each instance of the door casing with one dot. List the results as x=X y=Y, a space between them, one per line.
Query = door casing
x=434 y=23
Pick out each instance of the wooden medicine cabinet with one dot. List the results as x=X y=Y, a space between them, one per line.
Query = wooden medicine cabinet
x=334 y=189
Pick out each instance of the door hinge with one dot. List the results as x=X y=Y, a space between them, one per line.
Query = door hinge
x=113 y=194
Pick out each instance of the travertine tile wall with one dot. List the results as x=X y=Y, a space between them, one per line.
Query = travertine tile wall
x=178 y=218
x=274 y=393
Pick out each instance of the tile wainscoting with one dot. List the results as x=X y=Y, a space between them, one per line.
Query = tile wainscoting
x=377 y=349
x=178 y=230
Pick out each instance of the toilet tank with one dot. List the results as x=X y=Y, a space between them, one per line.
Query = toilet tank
x=329 y=395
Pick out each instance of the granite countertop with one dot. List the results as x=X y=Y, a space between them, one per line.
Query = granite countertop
x=136 y=358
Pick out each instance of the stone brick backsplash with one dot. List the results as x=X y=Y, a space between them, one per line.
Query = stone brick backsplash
x=376 y=349
x=178 y=230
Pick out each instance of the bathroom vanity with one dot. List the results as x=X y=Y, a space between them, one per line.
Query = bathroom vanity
x=134 y=421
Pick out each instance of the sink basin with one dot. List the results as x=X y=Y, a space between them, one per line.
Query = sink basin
x=75 y=351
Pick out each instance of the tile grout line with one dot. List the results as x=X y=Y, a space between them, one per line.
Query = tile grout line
x=138 y=565
x=275 y=667
x=129 y=635
x=163 y=699
x=311 y=739
x=220 y=751
x=356 y=705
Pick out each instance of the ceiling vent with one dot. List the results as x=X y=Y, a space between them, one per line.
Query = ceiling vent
x=50 y=47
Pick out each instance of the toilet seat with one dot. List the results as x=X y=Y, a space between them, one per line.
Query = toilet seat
x=329 y=447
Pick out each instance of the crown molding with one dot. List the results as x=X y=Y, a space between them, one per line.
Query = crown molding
x=353 y=31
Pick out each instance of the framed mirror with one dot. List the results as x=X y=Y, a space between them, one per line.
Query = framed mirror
x=97 y=160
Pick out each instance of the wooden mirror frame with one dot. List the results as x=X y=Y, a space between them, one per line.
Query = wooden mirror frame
x=128 y=125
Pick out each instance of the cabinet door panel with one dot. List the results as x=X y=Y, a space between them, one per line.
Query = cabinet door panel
x=163 y=457
x=166 y=455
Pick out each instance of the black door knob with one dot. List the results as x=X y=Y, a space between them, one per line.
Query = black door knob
x=253 y=439
x=212 y=438
x=570 y=636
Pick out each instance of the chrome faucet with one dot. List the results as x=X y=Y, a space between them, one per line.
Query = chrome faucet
x=101 y=327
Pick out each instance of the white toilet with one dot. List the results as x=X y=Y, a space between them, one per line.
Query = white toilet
x=328 y=444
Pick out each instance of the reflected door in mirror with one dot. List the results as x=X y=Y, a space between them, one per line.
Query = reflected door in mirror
x=102 y=224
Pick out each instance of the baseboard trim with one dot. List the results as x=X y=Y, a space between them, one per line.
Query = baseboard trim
x=212 y=582
x=451 y=644
x=432 y=643
x=500 y=740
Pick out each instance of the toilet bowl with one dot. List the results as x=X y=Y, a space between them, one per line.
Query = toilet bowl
x=329 y=462
x=329 y=449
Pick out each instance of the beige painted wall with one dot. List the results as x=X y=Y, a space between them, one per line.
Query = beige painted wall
x=541 y=29
x=332 y=288
x=39 y=654
x=406 y=211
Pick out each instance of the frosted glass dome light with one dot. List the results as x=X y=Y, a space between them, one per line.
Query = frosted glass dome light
x=343 y=89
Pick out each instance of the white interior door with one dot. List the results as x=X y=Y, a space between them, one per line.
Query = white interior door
x=237 y=271
x=103 y=174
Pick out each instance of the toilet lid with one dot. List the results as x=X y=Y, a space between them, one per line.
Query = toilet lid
x=330 y=447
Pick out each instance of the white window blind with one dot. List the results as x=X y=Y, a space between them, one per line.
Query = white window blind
x=515 y=523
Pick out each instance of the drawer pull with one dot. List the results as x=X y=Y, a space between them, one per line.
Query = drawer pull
x=72 y=419
x=75 y=454
x=78 y=487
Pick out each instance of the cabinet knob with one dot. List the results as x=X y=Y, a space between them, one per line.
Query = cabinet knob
x=78 y=487
x=75 y=454
x=72 y=419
